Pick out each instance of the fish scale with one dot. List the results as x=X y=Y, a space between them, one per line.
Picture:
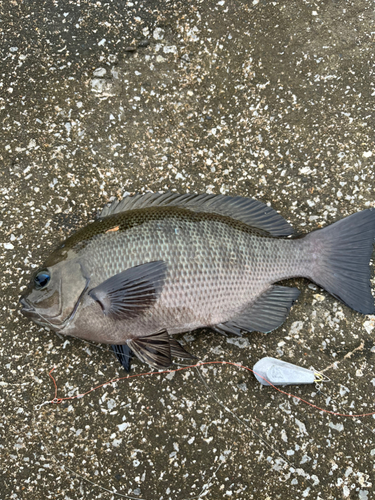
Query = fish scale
x=198 y=255
x=155 y=265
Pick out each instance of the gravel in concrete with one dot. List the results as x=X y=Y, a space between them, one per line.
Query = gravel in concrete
x=273 y=100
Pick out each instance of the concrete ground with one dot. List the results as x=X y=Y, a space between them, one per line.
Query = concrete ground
x=268 y=99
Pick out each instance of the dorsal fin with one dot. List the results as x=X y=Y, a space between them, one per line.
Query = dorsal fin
x=252 y=212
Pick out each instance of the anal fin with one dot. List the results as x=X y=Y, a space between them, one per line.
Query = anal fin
x=268 y=312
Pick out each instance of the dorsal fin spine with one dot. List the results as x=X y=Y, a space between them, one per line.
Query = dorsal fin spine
x=247 y=210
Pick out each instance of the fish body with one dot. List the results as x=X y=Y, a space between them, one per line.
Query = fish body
x=155 y=265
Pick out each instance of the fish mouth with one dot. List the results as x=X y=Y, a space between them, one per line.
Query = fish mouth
x=27 y=309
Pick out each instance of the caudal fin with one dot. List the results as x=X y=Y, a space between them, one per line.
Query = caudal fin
x=341 y=258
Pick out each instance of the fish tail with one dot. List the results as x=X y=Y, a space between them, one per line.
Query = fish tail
x=340 y=259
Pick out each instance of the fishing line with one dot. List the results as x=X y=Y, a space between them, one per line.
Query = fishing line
x=205 y=489
x=58 y=400
x=208 y=485
x=261 y=439
x=65 y=468
x=318 y=386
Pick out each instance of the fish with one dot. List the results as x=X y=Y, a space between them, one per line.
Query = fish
x=154 y=265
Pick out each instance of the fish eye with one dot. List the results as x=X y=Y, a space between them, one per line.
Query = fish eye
x=41 y=280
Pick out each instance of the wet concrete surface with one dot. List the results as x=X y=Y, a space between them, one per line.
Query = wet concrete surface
x=272 y=100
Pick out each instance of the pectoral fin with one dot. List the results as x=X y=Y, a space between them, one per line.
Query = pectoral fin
x=268 y=312
x=157 y=349
x=131 y=292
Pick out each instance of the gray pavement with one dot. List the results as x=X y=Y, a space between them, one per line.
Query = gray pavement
x=268 y=99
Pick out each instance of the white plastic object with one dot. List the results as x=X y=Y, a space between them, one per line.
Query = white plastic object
x=280 y=372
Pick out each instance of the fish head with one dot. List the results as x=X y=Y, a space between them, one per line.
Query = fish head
x=54 y=293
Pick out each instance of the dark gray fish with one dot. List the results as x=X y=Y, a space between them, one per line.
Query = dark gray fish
x=158 y=264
